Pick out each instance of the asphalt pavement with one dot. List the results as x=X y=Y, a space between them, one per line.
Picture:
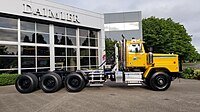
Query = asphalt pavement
x=182 y=96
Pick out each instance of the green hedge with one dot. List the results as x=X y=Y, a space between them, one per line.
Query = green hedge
x=7 y=79
x=191 y=73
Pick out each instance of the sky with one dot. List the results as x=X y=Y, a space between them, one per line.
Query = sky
x=186 y=12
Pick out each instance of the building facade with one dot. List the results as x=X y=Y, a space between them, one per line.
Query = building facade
x=41 y=35
x=127 y=23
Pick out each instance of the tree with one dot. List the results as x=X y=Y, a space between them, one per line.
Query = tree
x=110 y=49
x=167 y=36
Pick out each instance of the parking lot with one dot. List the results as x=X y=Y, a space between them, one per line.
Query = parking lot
x=182 y=96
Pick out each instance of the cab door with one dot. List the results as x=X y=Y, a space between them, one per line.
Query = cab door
x=135 y=56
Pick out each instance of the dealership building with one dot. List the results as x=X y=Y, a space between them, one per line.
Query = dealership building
x=39 y=35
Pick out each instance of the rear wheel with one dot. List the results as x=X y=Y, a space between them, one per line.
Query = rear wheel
x=26 y=83
x=160 y=81
x=50 y=82
x=74 y=82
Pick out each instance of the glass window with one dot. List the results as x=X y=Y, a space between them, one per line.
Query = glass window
x=28 y=26
x=71 y=40
x=92 y=34
x=59 y=40
x=71 y=31
x=134 y=48
x=84 y=61
x=43 y=38
x=8 y=50
x=83 y=33
x=28 y=50
x=122 y=26
x=43 y=62
x=43 y=51
x=84 y=42
x=71 y=68
x=59 y=30
x=42 y=28
x=28 y=70
x=71 y=61
x=8 y=62
x=93 y=42
x=43 y=69
x=71 y=52
x=93 y=52
x=60 y=51
x=84 y=52
x=93 y=61
x=8 y=35
x=8 y=23
x=28 y=62
x=60 y=61
x=28 y=37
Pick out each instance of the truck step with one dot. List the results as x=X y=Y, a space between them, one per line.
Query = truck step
x=96 y=85
x=135 y=84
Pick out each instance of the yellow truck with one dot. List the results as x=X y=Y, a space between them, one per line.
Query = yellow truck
x=133 y=66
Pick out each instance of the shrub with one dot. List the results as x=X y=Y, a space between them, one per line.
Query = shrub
x=191 y=73
x=7 y=79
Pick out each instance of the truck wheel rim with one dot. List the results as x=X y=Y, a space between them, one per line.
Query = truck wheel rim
x=49 y=82
x=74 y=82
x=25 y=83
x=161 y=82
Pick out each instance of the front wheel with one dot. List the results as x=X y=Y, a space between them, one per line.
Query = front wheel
x=74 y=82
x=160 y=81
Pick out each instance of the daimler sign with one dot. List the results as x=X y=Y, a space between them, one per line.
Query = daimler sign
x=49 y=13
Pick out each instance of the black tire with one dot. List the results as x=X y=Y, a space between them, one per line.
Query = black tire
x=50 y=82
x=26 y=83
x=74 y=82
x=160 y=81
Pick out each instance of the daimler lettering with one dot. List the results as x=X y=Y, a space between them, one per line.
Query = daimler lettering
x=46 y=12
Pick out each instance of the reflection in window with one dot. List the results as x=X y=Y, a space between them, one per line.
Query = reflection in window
x=42 y=28
x=93 y=61
x=83 y=33
x=84 y=42
x=134 y=48
x=93 y=42
x=8 y=50
x=60 y=51
x=8 y=62
x=71 y=31
x=28 y=50
x=28 y=70
x=71 y=69
x=92 y=34
x=43 y=62
x=84 y=52
x=84 y=61
x=27 y=37
x=28 y=62
x=60 y=61
x=28 y=26
x=71 y=52
x=122 y=26
x=93 y=52
x=59 y=40
x=8 y=35
x=8 y=23
x=43 y=51
x=71 y=40
x=43 y=38
x=59 y=30
x=71 y=61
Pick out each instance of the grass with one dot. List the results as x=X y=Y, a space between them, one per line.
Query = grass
x=7 y=79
